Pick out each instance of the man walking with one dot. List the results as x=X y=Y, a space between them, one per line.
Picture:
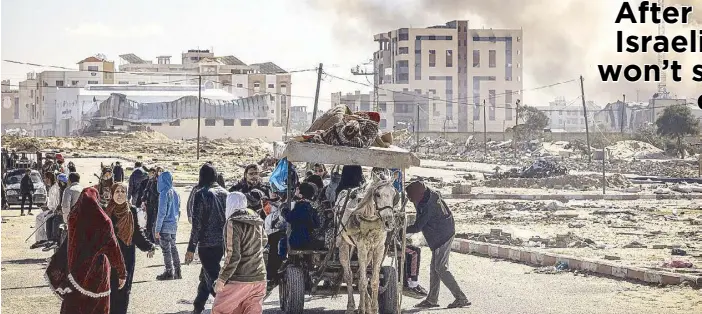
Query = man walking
x=209 y=208
x=27 y=191
x=118 y=172
x=435 y=221
x=135 y=181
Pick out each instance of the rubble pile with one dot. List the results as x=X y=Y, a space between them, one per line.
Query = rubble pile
x=566 y=182
x=628 y=150
x=153 y=148
x=541 y=168
x=496 y=236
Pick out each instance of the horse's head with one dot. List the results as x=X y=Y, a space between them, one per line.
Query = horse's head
x=378 y=202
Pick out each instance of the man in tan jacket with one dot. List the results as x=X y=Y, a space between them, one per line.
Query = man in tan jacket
x=241 y=285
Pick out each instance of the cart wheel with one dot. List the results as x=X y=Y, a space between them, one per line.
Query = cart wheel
x=292 y=290
x=387 y=300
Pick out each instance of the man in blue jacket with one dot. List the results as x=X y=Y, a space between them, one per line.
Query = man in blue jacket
x=435 y=221
x=206 y=235
x=166 y=226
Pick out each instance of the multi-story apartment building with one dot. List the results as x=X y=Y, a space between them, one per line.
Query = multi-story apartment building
x=228 y=73
x=442 y=75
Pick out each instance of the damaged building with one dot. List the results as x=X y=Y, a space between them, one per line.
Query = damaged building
x=168 y=109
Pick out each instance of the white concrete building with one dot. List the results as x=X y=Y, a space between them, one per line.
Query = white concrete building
x=170 y=109
x=569 y=115
x=227 y=73
x=445 y=73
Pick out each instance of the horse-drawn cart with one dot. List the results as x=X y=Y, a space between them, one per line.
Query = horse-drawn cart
x=321 y=272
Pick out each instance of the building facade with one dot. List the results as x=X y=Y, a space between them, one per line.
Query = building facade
x=441 y=77
x=227 y=73
x=11 y=109
x=569 y=115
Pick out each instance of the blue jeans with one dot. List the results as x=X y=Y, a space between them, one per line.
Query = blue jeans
x=210 y=258
x=170 y=251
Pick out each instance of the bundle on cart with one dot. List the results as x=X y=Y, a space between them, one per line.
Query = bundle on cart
x=341 y=127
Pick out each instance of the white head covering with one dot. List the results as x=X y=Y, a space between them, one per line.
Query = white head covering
x=235 y=201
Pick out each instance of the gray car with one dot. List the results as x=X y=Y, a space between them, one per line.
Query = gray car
x=12 y=182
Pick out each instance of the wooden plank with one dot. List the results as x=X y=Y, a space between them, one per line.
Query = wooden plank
x=392 y=157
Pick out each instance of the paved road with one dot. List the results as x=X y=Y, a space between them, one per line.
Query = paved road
x=494 y=286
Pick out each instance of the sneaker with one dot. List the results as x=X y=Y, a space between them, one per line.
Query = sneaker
x=49 y=246
x=458 y=304
x=417 y=292
x=21 y=214
x=177 y=274
x=167 y=275
x=30 y=214
x=37 y=244
x=426 y=305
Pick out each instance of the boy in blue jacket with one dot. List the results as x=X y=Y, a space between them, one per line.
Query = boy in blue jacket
x=166 y=226
x=302 y=220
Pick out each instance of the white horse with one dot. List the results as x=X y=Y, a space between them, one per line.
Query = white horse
x=364 y=226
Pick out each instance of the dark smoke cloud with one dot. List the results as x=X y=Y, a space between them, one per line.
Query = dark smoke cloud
x=562 y=38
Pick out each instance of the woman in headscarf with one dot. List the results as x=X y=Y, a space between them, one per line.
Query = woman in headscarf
x=92 y=249
x=351 y=177
x=129 y=237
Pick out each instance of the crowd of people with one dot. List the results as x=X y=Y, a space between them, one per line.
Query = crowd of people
x=97 y=230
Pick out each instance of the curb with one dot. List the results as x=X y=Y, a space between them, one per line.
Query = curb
x=570 y=197
x=534 y=258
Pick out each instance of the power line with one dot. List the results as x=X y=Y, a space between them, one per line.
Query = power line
x=451 y=101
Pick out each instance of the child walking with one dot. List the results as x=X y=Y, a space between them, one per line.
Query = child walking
x=166 y=226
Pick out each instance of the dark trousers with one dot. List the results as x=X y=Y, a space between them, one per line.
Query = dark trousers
x=210 y=258
x=274 y=259
x=53 y=232
x=150 y=221
x=31 y=202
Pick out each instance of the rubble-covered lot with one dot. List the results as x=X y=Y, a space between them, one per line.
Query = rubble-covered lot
x=637 y=233
x=152 y=148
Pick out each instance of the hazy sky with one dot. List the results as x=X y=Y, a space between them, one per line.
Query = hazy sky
x=298 y=34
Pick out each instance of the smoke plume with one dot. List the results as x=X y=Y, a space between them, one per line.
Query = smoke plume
x=563 y=39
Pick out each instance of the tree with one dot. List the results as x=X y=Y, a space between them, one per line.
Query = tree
x=676 y=122
x=532 y=122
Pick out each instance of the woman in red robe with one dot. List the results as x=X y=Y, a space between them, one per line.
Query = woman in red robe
x=92 y=250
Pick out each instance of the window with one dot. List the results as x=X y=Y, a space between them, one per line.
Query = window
x=493 y=58
x=449 y=58
x=93 y=68
x=246 y=122
x=432 y=91
x=175 y=123
x=383 y=107
x=272 y=98
x=17 y=109
x=155 y=124
x=403 y=36
x=491 y=97
x=93 y=82
x=228 y=122
x=239 y=85
x=271 y=86
x=123 y=82
x=283 y=100
x=508 y=105
x=432 y=58
x=117 y=122
x=433 y=108
x=403 y=50
x=210 y=122
x=59 y=83
x=418 y=91
x=476 y=58
x=257 y=87
x=262 y=122
x=142 y=83
x=74 y=83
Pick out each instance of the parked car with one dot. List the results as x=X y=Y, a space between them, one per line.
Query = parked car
x=12 y=180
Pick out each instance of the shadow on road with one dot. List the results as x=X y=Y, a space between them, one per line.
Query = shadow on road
x=25 y=261
x=314 y=310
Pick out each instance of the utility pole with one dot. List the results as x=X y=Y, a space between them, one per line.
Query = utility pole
x=622 y=114
x=604 y=177
x=587 y=127
x=316 y=94
x=516 y=130
x=199 y=104
x=358 y=71
x=485 y=128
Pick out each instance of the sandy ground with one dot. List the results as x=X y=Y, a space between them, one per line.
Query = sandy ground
x=493 y=286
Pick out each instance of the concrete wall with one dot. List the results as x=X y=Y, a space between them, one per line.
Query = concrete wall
x=188 y=130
